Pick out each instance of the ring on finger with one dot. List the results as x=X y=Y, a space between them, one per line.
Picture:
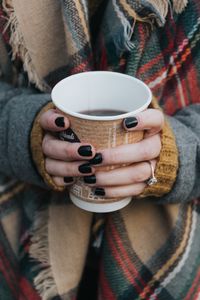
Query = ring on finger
x=152 y=180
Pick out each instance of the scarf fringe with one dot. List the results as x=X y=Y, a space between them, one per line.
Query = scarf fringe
x=39 y=251
x=123 y=41
x=179 y=5
x=18 y=46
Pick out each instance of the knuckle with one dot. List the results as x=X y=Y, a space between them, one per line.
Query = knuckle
x=56 y=180
x=42 y=118
x=66 y=169
x=110 y=193
x=140 y=120
x=139 y=189
x=162 y=121
x=161 y=118
x=47 y=121
x=157 y=145
x=47 y=165
x=70 y=169
x=151 y=147
x=146 y=150
x=141 y=175
x=45 y=144
x=69 y=151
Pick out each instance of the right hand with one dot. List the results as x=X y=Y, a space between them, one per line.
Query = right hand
x=64 y=160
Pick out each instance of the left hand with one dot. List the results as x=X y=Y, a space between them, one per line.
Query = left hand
x=130 y=180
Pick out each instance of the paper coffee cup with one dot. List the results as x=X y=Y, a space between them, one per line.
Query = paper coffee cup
x=100 y=90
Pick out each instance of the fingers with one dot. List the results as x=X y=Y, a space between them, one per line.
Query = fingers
x=67 y=169
x=108 y=192
x=121 y=182
x=53 y=121
x=66 y=151
x=151 y=120
x=60 y=181
x=144 y=150
x=136 y=173
x=121 y=191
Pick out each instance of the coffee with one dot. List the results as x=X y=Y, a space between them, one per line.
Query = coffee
x=103 y=112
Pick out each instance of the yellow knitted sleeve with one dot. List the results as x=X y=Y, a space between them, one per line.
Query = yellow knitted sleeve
x=166 y=168
x=167 y=162
x=37 y=135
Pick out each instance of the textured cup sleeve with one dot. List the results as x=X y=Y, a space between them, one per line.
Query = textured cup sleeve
x=166 y=168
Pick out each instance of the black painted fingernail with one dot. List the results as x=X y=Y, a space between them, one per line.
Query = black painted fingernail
x=90 y=179
x=130 y=122
x=99 y=192
x=85 y=150
x=96 y=160
x=68 y=179
x=85 y=168
x=60 y=122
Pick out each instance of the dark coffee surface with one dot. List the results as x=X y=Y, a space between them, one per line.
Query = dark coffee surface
x=102 y=112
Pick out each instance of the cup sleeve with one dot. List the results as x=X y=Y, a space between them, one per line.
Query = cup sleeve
x=166 y=168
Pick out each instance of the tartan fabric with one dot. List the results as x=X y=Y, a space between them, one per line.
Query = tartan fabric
x=156 y=279
x=75 y=33
x=13 y=283
x=168 y=60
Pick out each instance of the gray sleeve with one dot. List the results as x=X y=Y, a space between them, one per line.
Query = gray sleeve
x=186 y=127
x=18 y=108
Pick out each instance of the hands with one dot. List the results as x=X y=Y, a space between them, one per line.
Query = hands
x=66 y=160
x=131 y=180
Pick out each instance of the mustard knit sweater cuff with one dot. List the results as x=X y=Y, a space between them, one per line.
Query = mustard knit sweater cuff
x=166 y=168
x=37 y=135
x=167 y=162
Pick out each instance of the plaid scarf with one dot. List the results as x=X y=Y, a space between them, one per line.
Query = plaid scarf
x=61 y=233
x=82 y=29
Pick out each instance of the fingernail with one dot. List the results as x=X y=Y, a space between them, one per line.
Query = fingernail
x=130 y=122
x=90 y=179
x=85 y=150
x=68 y=179
x=85 y=168
x=99 y=192
x=96 y=160
x=60 y=122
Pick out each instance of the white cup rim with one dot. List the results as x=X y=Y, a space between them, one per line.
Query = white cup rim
x=100 y=118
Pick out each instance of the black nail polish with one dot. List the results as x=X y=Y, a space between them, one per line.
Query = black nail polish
x=130 y=122
x=99 y=192
x=68 y=179
x=85 y=150
x=90 y=179
x=96 y=160
x=60 y=122
x=85 y=168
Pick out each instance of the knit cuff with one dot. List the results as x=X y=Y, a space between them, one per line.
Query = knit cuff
x=37 y=135
x=167 y=162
